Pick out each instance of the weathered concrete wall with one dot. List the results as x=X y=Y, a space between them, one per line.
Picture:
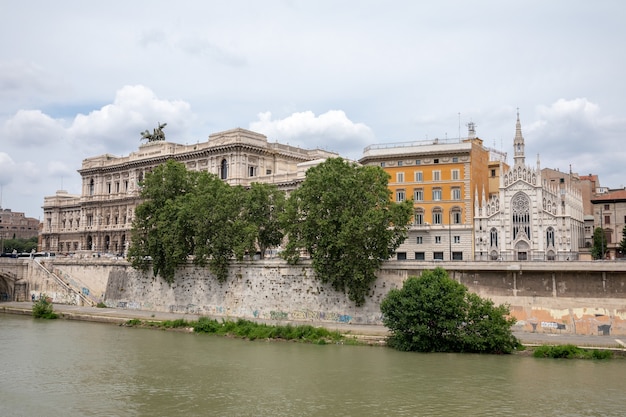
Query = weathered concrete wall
x=581 y=298
x=269 y=290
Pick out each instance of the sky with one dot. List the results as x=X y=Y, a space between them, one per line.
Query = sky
x=80 y=79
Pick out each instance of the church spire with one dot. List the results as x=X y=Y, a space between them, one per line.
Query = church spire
x=518 y=144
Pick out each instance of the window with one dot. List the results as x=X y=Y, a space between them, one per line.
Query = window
x=457 y=256
x=456 y=193
x=436 y=161
x=91 y=187
x=457 y=239
x=400 y=196
x=606 y=207
x=418 y=162
x=437 y=239
x=494 y=238
x=108 y=188
x=438 y=256
x=382 y=164
x=455 y=174
x=456 y=216
x=550 y=236
x=418 y=217
x=419 y=256
x=399 y=163
x=400 y=177
x=436 y=175
x=607 y=219
x=418 y=194
x=419 y=240
x=437 y=216
x=117 y=186
x=436 y=194
x=252 y=171
x=125 y=185
x=419 y=177
x=401 y=256
x=224 y=169
x=493 y=173
x=455 y=159
x=268 y=172
x=520 y=205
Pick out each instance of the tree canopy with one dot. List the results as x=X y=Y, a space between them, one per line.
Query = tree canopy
x=343 y=216
x=599 y=249
x=434 y=313
x=194 y=213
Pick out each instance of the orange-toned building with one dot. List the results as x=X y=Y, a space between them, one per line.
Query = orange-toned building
x=441 y=177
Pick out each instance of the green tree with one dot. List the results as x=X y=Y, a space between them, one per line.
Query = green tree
x=221 y=228
x=19 y=244
x=434 y=313
x=343 y=216
x=622 y=243
x=599 y=249
x=162 y=232
x=264 y=207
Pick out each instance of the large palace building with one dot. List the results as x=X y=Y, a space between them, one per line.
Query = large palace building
x=100 y=218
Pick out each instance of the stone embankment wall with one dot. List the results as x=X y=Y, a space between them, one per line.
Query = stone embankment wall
x=581 y=298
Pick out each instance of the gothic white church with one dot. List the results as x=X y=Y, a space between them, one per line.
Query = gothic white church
x=529 y=218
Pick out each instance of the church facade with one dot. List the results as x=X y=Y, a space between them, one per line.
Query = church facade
x=529 y=218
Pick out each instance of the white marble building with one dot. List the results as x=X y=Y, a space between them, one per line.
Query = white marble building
x=529 y=218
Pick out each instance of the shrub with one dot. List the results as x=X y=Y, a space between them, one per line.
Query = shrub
x=570 y=352
x=434 y=313
x=43 y=309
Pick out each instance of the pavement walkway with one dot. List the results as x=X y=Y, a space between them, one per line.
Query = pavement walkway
x=372 y=333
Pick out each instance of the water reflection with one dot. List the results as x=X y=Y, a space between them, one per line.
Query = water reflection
x=69 y=368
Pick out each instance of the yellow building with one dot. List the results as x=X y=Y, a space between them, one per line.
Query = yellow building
x=441 y=177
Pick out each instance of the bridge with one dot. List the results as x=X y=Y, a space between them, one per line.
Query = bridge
x=22 y=278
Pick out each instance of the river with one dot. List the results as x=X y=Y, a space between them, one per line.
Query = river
x=70 y=368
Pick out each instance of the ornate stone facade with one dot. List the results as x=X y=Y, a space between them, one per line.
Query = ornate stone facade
x=531 y=217
x=100 y=218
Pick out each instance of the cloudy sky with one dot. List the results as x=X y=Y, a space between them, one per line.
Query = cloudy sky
x=79 y=79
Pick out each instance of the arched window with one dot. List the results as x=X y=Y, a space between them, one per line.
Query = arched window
x=456 y=215
x=550 y=237
x=437 y=215
x=493 y=238
x=224 y=169
x=418 y=216
x=520 y=205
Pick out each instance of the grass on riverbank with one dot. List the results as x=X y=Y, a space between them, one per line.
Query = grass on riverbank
x=249 y=330
x=570 y=352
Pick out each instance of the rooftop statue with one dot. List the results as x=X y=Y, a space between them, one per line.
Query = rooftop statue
x=157 y=134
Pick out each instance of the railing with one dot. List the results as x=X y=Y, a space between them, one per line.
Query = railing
x=65 y=285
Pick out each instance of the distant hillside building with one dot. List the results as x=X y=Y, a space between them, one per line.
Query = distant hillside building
x=15 y=225
x=100 y=218
x=531 y=217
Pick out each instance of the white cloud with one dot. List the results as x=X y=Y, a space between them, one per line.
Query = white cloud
x=7 y=169
x=32 y=128
x=112 y=128
x=332 y=131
